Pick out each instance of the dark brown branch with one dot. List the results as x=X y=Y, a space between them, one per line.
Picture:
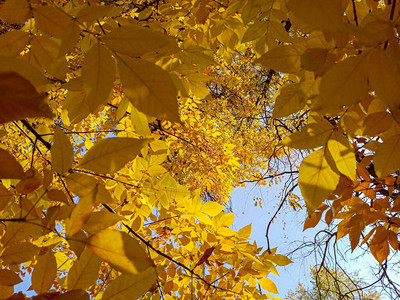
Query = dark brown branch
x=36 y=134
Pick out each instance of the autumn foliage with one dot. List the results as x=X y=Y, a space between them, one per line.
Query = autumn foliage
x=126 y=124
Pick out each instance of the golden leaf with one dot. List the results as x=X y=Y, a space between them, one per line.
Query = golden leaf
x=13 y=42
x=387 y=156
x=286 y=59
x=322 y=14
x=9 y=167
x=84 y=271
x=44 y=273
x=15 y=11
x=112 y=154
x=317 y=180
x=120 y=250
x=149 y=88
x=131 y=286
x=62 y=152
x=343 y=155
x=19 y=253
x=19 y=99
x=9 y=278
x=345 y=83
x=51 y=20
x=136 y=40
x=98 y=72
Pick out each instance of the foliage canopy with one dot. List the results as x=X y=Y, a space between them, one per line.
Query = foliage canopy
x=126 y=124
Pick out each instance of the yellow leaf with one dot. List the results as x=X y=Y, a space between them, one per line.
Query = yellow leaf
x=79 y=215
x=9 y=167
x=377 y=123
x=322 y=14
x=316 y=179
x=280 y=260
x=84 y=271
x=9 y=278
x=93 y=12
x=136 y=40
x=18 y=231
x=130 y=287
x=19 y=99
x=5 y=195
x=149 y=88
x=44 y=53
x=120 y=250
x=387 y=157
x=19 y=253
x=62 y=152
x=112 y=154
x=140 y=122
x=384 y=76
x=290 y=99
x=343 y=155
x=98 y=72
x=101 y=220
x=51 y=20
x=255 y=31
x=311 y=136
x=69 y=38
x=84 y=185
x=284 y=59
x=314 y=59
x=211 y=208
x=15 y=11
x=26 y=70
x=268 y=285
x=13 y=42
x=44 y=273
x=244 y=233
x=345 y=83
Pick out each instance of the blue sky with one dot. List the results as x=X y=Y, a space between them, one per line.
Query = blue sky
x=286 y=233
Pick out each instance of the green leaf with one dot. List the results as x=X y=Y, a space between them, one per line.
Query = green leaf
x=62 y=152
x=130 y=287
x=317 y=179
x=110 y=155
x=149 y=88
x=120 y=250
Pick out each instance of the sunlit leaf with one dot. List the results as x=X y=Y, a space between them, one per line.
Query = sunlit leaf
x=120 y=250
x=62 y=152
x=84 y=271
x=316 y=179
x=110 y=155
x=44 y=273
x=126 y=287
x=149 y=88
